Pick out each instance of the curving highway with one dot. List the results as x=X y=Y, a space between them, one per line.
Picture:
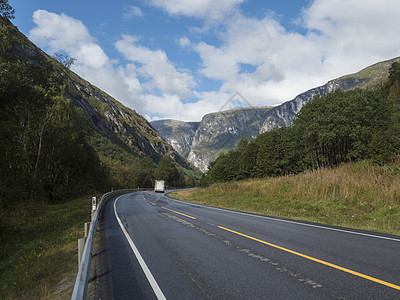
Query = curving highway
x=154 y=247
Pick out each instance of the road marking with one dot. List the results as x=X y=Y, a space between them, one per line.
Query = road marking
x=141 y=261
x=290 y=222
x=316 y=260
x=179 y=213
x=149 y=201
x=169 y=209
x=179 y=220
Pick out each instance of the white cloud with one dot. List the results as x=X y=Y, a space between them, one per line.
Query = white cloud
x=279 y=60
x=257 y=57
x=133 y=11
x=341 y=37
x=171 y=107
x=201 y=9
x=155 y=66
x=58 y=31
x=63 y=33
x=355 y=29
x=184 y=42
x=150 y=84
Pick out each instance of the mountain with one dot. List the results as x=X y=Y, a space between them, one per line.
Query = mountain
x=202 y=142
x=118 y=123
x=180 y=134
x=121 y=125
x=220 y=131
x=59 y=131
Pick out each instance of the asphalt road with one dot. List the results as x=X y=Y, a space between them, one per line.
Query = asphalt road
x=174 y=250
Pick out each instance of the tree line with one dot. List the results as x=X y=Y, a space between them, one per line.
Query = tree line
x=43 y=150
x=329 y=130
x=142 y=172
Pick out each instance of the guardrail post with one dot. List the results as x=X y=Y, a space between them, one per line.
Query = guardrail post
x=87 y=227
x=94 y=204
x=81 y=246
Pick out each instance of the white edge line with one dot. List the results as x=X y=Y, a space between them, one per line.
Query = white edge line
x=287 y=221
x=142 y=263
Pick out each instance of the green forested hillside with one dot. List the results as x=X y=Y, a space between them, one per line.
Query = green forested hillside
x=43 y=151
x=62 y=137
x=332 y=129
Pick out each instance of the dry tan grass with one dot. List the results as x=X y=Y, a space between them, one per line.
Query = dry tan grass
x=359 y=195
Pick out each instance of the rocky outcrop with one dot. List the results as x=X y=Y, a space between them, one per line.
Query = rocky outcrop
x=284 y=114
x=180 y=134
x=202 y=142
x=218 y=132
x=120 y=124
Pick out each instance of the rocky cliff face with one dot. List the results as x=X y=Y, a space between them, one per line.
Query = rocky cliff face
x=180 y=134
x=218 y=132
x=122 y=125
x=202 y=142
x=284 y=114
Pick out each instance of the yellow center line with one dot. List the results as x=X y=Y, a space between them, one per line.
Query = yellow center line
x=317 y=260
x=179 y=213
x=149 y=201
x=169 y=209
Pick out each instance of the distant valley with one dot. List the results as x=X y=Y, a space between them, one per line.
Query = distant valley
x=202 y=142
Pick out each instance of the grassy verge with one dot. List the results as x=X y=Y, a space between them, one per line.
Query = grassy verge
x=358 y=195
x=38 y=254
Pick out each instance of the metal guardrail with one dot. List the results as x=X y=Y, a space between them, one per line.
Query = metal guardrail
x=81 y=282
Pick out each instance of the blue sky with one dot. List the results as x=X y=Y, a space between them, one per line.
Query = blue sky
x=181 y=59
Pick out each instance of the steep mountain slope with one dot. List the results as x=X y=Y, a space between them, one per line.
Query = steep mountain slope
x=122 y=131
x=180 y=134
x=202 y=142
x=372 y=76
x=121 y=125
x=220 y=131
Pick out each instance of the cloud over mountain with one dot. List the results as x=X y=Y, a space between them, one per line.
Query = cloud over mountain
x=258 y=56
